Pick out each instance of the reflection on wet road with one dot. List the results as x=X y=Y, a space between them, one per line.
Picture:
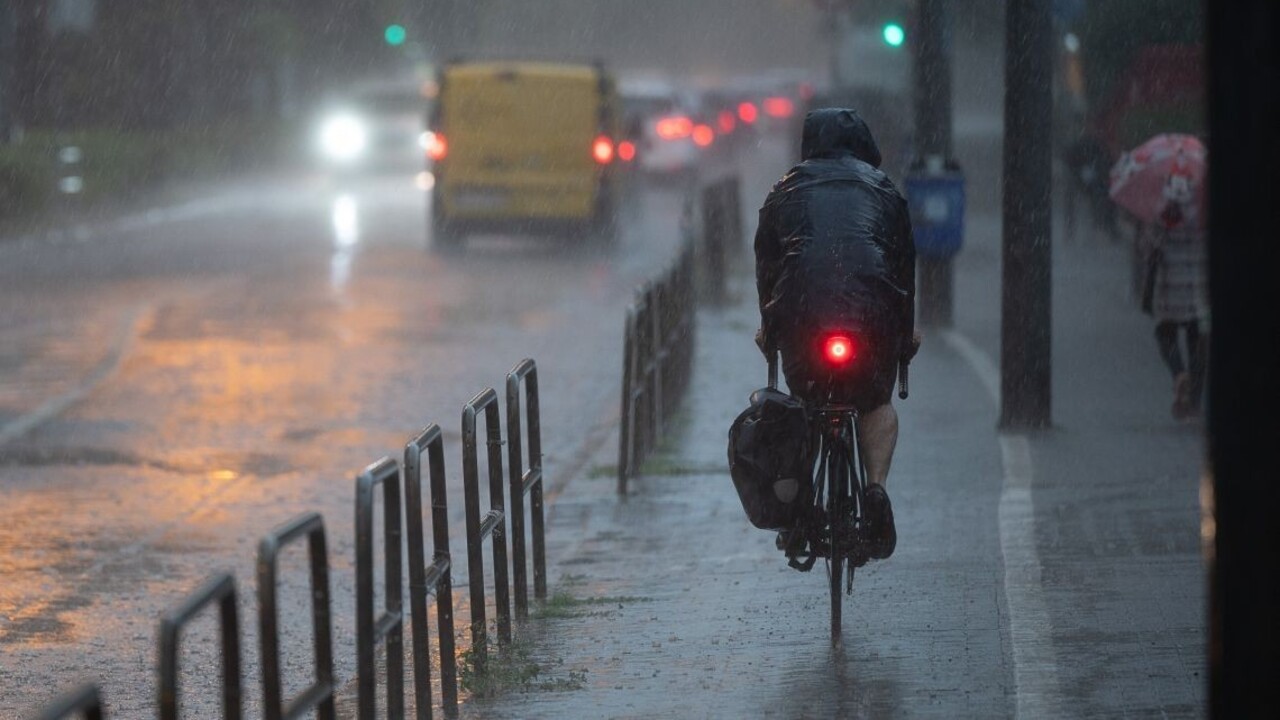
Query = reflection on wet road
x=281 y=340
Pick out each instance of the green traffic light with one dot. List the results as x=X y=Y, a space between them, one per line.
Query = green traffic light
x=395 y=35
x=894 y=35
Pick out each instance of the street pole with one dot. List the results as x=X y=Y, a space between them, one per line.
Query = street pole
x=1025 y=327
x=1239 y=528
x=931 y=75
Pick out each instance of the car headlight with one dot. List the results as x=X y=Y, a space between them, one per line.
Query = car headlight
x=343 y=138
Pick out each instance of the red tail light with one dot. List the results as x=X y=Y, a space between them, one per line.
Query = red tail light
x=676 y=127
x=703 y=135
x=435 y=145
x=626 y=151
x=839 y=350
x=602 y=150
x=779 y=107
x=747 y=112
x=727 y=122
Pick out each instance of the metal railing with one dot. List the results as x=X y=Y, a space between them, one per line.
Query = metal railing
x=319 y=695
x=397 y=483
x=658 y=334
x=490 y=526
x=221 y=590
x=722 y=236
x=526 y=481
x=388 y=626
x=657 y=358
x=424 y=579
x=84 y=701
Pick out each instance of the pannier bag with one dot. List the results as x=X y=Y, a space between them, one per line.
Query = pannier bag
x=770 y=459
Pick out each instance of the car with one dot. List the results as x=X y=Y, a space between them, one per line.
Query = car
x=375 y=127
x=664 y=126
x=524 y=147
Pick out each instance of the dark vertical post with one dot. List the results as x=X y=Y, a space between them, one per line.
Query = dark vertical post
x=714 y=231
x=1025 y=381
x=931 y=74
x=626 y=431
x=7 y=39
x=1241 y=534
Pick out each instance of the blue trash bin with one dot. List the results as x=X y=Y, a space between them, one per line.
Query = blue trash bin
x=936 y=201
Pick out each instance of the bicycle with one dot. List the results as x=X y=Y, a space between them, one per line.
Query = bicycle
x=837 y=526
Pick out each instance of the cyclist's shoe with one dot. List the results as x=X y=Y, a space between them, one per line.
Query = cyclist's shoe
x=881 y=533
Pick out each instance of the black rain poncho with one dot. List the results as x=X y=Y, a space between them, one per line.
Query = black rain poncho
x=834 y=245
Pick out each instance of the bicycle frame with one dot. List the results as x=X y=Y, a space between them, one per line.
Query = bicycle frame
x=839 y=486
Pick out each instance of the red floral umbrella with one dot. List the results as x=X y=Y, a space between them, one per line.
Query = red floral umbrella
x=1162 y=181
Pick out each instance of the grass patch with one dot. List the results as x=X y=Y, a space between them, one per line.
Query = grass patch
x=665 y=465
x=564 y=605
x=512 y=669
x=602 y=472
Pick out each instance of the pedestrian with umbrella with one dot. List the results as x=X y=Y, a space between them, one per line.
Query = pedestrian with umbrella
x=1161 y=183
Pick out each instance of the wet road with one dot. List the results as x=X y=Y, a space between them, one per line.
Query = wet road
x=175 y=383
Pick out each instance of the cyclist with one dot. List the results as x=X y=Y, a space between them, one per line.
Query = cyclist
x=834 y=251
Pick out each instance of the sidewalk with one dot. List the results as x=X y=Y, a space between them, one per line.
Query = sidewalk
x=1050 y=575
x=672 y=605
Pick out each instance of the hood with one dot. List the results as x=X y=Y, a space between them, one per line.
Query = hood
x=838 y=132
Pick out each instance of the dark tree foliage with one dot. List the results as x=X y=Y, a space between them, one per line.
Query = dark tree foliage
x=150 y=64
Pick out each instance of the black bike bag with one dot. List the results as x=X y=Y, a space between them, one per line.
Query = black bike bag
x=770 y=459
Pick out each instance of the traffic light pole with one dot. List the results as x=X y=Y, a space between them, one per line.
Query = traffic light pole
x=931 y=75
x=1026 y=317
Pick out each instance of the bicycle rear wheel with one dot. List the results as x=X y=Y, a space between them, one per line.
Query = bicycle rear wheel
x=838 y=502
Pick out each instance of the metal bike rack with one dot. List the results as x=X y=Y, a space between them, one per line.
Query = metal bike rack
x=84 y=700
x=526 y=482
x=388 y=626
x=490 y=526
x=424 y=579
x=657 y=360
x=220 y=589
x=319 y=695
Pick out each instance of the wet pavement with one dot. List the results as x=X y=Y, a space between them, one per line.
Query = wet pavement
x=1050 y=575
x=175 y=383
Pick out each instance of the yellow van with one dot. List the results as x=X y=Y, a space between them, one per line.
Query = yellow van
x=523 y=147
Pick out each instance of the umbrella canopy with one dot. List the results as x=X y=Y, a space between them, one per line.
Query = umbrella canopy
x=1162 y=181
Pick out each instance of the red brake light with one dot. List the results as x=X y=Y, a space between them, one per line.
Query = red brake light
x=435 y=145
x=602 y=150
x=676 y=127
x=727 y=121
x=839 y=350
x=703 y=135
x=747 y=112
x=626 y=151
x=779 y=107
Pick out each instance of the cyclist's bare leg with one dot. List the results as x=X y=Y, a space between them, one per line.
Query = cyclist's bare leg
x=878 y=435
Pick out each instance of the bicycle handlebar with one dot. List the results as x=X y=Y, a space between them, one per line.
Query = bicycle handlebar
x=902 y=378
